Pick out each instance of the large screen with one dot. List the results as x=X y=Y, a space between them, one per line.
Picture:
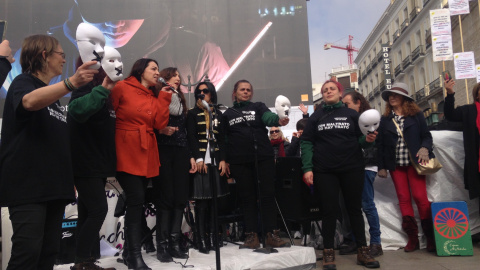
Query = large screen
x=263 y=41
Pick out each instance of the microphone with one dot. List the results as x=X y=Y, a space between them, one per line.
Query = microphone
x=205 y=104
x=162 y=80
x=220 y=106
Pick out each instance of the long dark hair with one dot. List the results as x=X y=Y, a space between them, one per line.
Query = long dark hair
x=211 y=90
x=139 y=67
x=357 y=97
x=167 y=74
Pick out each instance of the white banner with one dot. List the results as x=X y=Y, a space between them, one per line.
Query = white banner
x=442 y=48
x=458 y=7
x=440 y=22
x=478 y=73
x=464 y=65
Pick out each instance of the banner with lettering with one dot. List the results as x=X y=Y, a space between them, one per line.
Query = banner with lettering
x=458 y=7
x=387 y=66
x=442 y=49
x=464 y=65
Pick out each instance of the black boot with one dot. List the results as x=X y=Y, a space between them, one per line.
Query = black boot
x=200 y=238
x=148 y=242
x=125 y=248
x=134 y=238
x=174 y=241
x=163 y=221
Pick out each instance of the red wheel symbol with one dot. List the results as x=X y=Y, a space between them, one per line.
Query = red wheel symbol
x=451 y=223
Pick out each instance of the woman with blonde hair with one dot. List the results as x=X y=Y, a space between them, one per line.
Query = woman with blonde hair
x=278 y=141
x=393 y=155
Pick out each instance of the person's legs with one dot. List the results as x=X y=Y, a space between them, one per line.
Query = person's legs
x=52 y=234
x=92 y=201
x=369 y=208
x=328 y=186
x=400 y=181
x=134 y=187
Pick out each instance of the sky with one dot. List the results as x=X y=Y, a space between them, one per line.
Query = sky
x=331 y=21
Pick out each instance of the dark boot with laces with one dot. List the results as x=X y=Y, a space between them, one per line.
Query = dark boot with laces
x=364 y=258
x=329 y=259
x=251 y=241
x=273 y=240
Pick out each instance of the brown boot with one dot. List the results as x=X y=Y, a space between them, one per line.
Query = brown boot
x=251 y=241
x=329 y=259
x=90 y=264
x=273 y=240
x=427 y=226
x=376 y=250
x=364 y=258
x=409 y=225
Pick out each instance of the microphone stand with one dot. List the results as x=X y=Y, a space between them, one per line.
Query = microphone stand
x=213 y=184
x=264 y=249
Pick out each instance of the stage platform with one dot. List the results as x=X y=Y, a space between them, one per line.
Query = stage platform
x=232 y=258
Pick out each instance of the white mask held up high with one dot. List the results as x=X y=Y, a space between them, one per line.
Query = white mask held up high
x=90 y=42
x=369 y=121
x=112 y=64
x=282 y=106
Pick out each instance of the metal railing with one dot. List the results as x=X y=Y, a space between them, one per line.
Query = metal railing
x=382 y=85
x=428 y=38
x=420 y=94
x=398 y=69
x=396 y=35
x=404 y=24
x=379 y=56
x=406 y=62
x=425 y=2
x=434 y=85
x=376 y=90
x=369 y=68
x=370 y=95
x=419 y=51
x=414 y=13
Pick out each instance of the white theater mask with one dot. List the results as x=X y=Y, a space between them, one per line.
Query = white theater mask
x=112 y=64
x=90 y=42
x=369 y=121
x=282 y=106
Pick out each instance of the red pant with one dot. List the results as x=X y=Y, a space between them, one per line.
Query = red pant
x=406 y=179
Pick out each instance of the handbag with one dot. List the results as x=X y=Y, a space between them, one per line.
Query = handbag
x=431 y=167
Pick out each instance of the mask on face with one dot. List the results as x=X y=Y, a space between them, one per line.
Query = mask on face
x=369 y=121
x=112 y=64
x=282 y=105
x=90 y=42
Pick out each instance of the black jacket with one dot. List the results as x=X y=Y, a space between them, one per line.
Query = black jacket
x=467 y=114
x=5 y=67
x=415 y=132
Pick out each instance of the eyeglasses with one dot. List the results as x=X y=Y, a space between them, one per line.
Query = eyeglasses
x=274 y=131
x=204 y=91
x=61 y=53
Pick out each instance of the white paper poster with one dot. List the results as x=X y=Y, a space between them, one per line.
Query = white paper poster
x=464 y=65
x=440 y=22
x=458 y=7
x=478 y=73
x=442 y=48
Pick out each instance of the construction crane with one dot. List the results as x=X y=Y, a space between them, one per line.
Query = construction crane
x=349 y=48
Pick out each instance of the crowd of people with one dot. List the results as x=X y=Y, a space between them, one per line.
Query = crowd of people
x=140 y=130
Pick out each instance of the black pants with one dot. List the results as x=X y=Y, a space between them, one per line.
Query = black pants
x=92 y=210
x=329 y=185
x=245 y=177
x=171 y=187
x=135 y=188
x=37 y=230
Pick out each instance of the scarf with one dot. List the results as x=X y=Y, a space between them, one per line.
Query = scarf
x=207 y=115
x=332 y=107
x=176 y=107
x=281 y=150
x=477 y=104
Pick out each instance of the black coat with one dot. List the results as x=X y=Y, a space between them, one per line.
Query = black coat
x=467 y=114
x=5 y=67
x=415 y=133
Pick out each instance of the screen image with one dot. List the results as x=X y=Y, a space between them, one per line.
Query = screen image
x=262 y=41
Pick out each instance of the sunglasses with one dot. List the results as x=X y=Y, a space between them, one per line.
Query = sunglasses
x=204 y=91
x=274 y=131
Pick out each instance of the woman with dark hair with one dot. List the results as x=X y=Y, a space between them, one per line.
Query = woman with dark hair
x=357 y=101
x=36 y=176
x=470 y=117
x=139 y=110
x=244 y=126
x=393 y=155
x=332 y=158
x=198 y=128
x=91 y=126
x=171 y=186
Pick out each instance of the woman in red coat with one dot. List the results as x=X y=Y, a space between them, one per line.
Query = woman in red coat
x=138 y=111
